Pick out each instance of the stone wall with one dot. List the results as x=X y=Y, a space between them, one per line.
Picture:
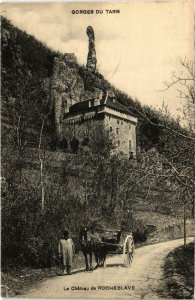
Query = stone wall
x=171 y=232
x=124 y=132
x=80 y=131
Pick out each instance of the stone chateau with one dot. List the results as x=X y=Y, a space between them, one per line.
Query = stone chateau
x=102 y=111
x=76 y=110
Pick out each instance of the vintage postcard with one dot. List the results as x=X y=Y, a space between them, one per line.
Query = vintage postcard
x=97 y=127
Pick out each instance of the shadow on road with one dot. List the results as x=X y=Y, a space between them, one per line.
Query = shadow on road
x=83 y=270
x=114 y=265
x=73 y=272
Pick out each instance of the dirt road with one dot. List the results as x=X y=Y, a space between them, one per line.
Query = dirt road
x=143 y=280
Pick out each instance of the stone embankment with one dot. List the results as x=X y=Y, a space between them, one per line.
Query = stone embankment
x=171 y=232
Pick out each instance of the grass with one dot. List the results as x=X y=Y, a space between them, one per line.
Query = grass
x=184 y=263
x=179 y=272
x=17 y=280
x=157 y=219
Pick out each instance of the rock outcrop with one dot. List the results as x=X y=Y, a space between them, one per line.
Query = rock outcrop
x=67 y=87
x=91 y=58
x=91 y=94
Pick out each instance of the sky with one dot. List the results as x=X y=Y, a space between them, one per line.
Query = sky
x=137 y=49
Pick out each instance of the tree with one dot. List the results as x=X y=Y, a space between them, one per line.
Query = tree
x=184 y=83
x=43 y=116
x=182 y=166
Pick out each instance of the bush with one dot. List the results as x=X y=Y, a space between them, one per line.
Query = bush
x=140 y=232
x=74 y=144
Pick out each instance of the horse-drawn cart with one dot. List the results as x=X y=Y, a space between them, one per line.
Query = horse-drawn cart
x=118 y=242
x=106 y=241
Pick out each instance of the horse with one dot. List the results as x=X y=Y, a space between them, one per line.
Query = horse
x=90 y=244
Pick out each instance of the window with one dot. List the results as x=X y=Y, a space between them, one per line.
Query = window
x=131 y=155
x=130 y=146
x=117 y=130
x=118 y=143
x=86 y=132
x=110 y=128
x=117 y=121
x=74 y=144
x=129 y=126
x=121 y=122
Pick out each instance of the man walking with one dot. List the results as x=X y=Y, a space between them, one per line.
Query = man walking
x=66 y=250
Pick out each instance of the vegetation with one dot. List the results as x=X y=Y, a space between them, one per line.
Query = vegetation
x=20 y=279
x=179 y=271
x=26 y=66
x=43 y=193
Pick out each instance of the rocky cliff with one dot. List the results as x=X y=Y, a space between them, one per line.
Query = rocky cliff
x=91 y=58
x=67 y=88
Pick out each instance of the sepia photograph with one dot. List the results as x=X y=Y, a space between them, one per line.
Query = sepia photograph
x=97 y=149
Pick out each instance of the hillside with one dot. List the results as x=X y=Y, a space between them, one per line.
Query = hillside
x=47 y=189
x=27 y=64
x=29 y=82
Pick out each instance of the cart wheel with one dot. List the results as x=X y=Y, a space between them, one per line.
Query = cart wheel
x=128 y=251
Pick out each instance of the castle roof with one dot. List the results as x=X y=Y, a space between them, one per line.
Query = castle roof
x=106 y=100
x=113 y=103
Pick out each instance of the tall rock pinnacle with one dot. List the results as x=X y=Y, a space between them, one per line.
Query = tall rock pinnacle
x=91 y=58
